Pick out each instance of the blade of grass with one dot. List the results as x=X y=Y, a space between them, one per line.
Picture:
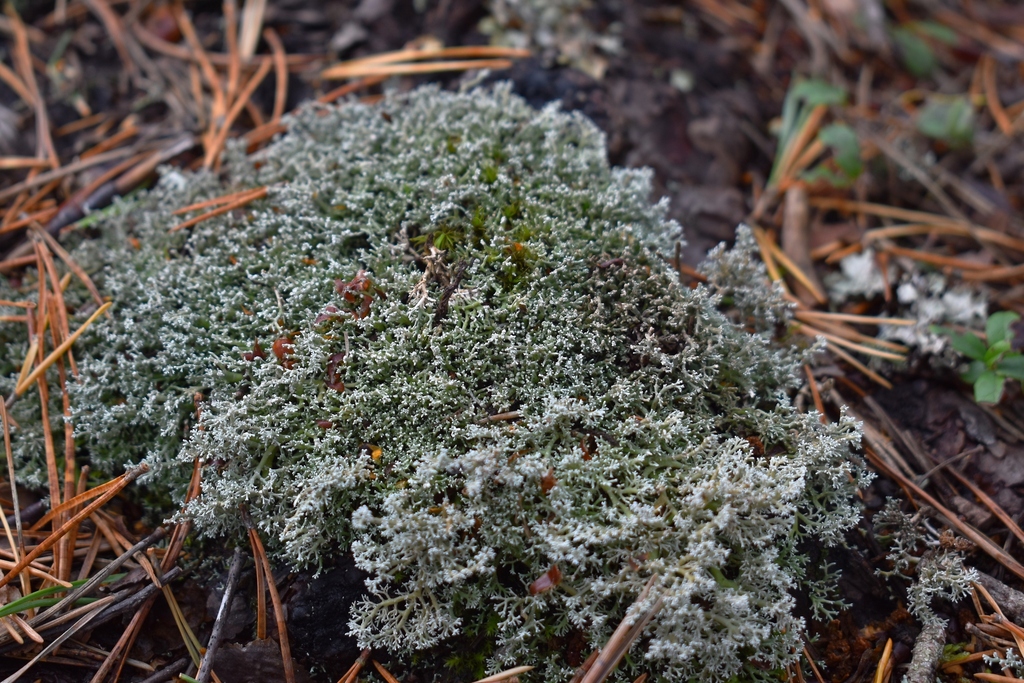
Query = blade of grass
x=95 y=609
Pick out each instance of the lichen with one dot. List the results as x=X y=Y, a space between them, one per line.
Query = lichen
x=447 y=341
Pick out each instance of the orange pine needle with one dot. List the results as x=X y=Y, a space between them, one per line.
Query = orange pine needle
x=218 y=140
x=59 y=351
x=280 y=73
x=355 y=70
x=258 y=193
x=122 y=481
x=216 y=201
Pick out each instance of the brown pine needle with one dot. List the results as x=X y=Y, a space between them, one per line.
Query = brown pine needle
x=231 y=42
x=64 y=171
x=841 y=329
x=835 y=339
x=504 y=675
x=795 y=271
x=964 y=529
x=384 y=673
x=883 y=662
x=36 y=572
x=39 y=216
x=187 y=636
x=258 y=193
x=858 y=319
x=814 y=667
x=15 y=163
x=819 y=405
x=280 y=73
x=865 y=370
x=198 y=52
x=11 y=631
x=216 y=201
x=937 y=259
x=973 y=657
x=349 y=88
x=996 y=678
x=80 y=124
x=26 y=629
x=59 y=351
x=951 y=226
x=800 y=140
x=418 y=54
x=261 y=594
x=808 y=157
x=23 y=65
x=352 y=71
x=623 y=637
x=122 y=481
x=995 y=107
x=26 y=365
x=767 y=255
x=357 y=666
x=993 y=506
x=839 y=254
x=282 y=626
x=115 y=31
x=73 y=266
x=1003 y=274
x=221 y=137
x=15 y=83
x=258 y=136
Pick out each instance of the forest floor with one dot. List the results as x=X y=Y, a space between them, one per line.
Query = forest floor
x=875 y=148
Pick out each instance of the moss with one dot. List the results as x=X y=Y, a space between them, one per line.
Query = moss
x=467 y=377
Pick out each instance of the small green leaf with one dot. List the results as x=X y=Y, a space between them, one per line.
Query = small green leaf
x=989 y=387
x=997 y=328
x=845 y=147
x=826 y=175
x=1012 y=366
x=915 y=52
x=939 y=32
x=814 y=92
x=968 y=344
x=974 y=371
x=947 y=118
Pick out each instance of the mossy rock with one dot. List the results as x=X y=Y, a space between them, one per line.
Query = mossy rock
x=448 y=341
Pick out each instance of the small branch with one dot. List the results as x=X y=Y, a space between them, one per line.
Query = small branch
x=218 y=626
x=927 y=650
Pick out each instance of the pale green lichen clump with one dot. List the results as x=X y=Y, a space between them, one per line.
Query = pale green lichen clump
x=435 y=261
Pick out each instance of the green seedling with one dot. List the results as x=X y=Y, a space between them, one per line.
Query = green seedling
x=845 y=166
x=801 y=99
x=993 y=360
x=915 y=41
x=949 y=118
